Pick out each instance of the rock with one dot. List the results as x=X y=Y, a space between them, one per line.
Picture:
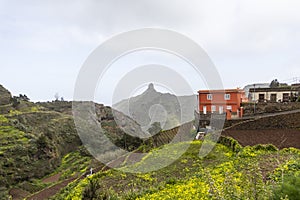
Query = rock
x=5 y=96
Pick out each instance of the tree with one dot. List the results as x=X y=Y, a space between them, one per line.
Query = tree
x=15 y=101
x=23 y=97
x=274 y=84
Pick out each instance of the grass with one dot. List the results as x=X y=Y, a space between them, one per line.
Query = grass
x=36 y=143
x=72 y=164
x=221 y=174
x=24 y=158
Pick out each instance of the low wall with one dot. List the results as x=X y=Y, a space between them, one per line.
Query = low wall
x=284 y=121
x=269 y=107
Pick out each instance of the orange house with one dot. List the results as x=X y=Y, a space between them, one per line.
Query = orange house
x=221 y=102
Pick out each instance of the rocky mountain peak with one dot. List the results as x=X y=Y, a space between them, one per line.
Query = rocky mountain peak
x=151 y=88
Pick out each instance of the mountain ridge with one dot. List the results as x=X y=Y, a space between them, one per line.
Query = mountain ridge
x=152 y=106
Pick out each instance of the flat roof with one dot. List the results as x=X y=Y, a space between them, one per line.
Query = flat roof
x=221 y=91
x=279 y=89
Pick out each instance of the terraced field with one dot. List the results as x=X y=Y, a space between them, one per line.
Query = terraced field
x=225 y=173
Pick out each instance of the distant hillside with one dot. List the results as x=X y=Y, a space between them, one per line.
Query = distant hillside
x=5 y=96
x=35 y=138
x=152 y=106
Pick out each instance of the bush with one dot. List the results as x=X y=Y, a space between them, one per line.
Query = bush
x=268 y=147
x=271 y=147
x=171 y=181
x=90 y=192
x=231 y=143
x=289 y=188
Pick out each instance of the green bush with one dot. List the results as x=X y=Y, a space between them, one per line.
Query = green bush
x=268 y=147
x=231 y=143
x=271 y=147
x=90 y=191
x=289 y=188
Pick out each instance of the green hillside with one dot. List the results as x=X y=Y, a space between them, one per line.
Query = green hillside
x=42 y=157
x=39 y=141
x=228 y=172
x=33 y=141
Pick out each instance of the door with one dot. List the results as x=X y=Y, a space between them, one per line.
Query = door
x=213 y=109
x=261 y=97
x=204 y=110
x=221 y=109
x=273 y=98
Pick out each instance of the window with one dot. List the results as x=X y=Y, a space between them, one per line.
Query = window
x=213 y=109
x=229 y=107
x=286 y=97
x=261 y=97
x=209 y=97
x=227 y=96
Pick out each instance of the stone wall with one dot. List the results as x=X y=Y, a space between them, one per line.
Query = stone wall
x=285 y=121
x=269 y=107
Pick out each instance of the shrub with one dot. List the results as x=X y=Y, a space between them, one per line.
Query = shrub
x=3 y=119
x=171 y=181
x=289 y=188
x=90 y=191
x=268 y=147
x=231 y=143
x=271 y=147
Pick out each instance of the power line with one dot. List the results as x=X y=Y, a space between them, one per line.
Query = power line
x=292 y=80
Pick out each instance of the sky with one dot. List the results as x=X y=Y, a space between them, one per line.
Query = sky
x=43 y=44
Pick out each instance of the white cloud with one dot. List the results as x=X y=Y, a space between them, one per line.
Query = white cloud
x=259 y=34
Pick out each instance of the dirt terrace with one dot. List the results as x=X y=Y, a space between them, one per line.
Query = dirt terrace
x=281 y=138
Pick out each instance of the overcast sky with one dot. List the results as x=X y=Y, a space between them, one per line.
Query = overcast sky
x=43 y=44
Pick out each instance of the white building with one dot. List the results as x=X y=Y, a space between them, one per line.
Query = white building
x=279 y=94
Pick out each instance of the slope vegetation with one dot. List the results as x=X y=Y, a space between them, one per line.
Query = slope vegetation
x=228 y=172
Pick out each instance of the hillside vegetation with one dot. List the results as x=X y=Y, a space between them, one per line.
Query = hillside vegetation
x=35 y=139
x=228 y=172
x=42 y=157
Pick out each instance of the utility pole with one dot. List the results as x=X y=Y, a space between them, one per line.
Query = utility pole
x=125 y=145
x=254 y=101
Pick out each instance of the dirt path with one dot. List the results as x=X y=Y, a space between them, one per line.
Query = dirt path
x=128 y=159
x=51 y=191
x=18 y=194
x=52 y=179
